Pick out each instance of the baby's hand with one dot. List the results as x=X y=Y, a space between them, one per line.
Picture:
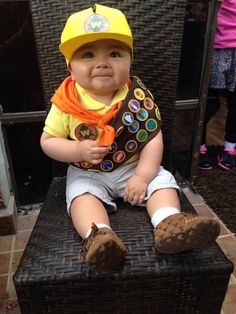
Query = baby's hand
x=135 y=190
x=92 y=151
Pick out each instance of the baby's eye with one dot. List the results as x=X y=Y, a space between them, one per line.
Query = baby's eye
x=88 y=55
x=115 y=54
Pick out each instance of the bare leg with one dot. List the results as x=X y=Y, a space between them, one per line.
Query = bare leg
x=85 y=210
x=162 y=198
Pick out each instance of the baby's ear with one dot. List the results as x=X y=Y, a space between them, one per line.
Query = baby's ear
x=69 y=69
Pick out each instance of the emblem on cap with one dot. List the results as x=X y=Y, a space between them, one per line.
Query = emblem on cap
x=96 y=23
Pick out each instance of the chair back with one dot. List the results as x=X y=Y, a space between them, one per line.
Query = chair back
x=157 y=28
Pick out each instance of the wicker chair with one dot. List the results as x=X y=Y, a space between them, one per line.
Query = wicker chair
x=49 y=278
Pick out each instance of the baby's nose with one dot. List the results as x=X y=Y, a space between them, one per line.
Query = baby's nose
x=102 y=65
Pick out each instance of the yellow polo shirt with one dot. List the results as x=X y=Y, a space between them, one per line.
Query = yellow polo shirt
x=60 y=124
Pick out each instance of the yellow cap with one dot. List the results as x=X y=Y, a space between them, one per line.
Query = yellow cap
x=95 y=23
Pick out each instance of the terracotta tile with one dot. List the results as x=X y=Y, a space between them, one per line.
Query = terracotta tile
x=5 y=243
x=229 y=305
x=12 y=307
x=195 y=199
x=11 y=289
x=228 y=245
x=204 y=210
x=233 y=259
x=16 y=260
x=4 y=263
x=3 y=287
x=26 y=222
x=3 y=306
x=7 y=225
x=22 y=239
x=224 y=231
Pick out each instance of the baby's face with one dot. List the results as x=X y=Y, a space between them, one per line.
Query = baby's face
x=101 y=67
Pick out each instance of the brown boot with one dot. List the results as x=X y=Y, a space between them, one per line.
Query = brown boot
x=103 y=249
x=182 y=232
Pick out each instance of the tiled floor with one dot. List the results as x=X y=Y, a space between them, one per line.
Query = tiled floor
x=11 y=249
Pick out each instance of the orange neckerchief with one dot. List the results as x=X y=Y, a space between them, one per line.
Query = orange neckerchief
x=66 y=98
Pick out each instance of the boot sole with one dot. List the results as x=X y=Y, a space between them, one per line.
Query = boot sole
x=197 y=237
x=105 y=255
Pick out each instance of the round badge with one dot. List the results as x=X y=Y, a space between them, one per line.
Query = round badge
x=142 y=135
x=133 y=128
x=113 y=147
x=119 y=131
x=127 y=118
x=86 y=164
x=142 y=115
x=151 y=125
x=131 y=146
x=134 y=105
x=107 y=165
x=119 y=156
x=85 y=132
x=140 y=83
x=96 y=23
x=148 y=103
x=158 y=115
x=139 y=94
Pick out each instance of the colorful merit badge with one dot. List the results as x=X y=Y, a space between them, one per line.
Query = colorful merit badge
x=119 y=156
x=139 y=94
x=127 y=118
x=133 y=128
x=134 y=105
x=151 y=125
x=107 y=165
x=142 y=135
x=131 y=146
x=142 y=115
x=85 y=132
x=148 y=103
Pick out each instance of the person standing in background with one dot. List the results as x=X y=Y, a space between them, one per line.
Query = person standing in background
x=223 y=77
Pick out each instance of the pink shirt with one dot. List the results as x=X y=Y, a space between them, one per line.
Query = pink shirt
x=225 y=36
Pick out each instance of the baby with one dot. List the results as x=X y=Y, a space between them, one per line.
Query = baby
x=107 y=125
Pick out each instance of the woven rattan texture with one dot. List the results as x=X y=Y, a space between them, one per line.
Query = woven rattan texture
x=50 y=278
x=157 y=28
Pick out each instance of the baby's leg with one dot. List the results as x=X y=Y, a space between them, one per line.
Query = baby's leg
x=103 y=249
x=175 y=231
x=86 y=209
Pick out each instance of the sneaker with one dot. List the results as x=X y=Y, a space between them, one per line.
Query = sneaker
x=103 y=249
x=185 y=232
x=204 y=160
x=226 y=159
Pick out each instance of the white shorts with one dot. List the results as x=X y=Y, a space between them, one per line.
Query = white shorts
x=108 y=186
